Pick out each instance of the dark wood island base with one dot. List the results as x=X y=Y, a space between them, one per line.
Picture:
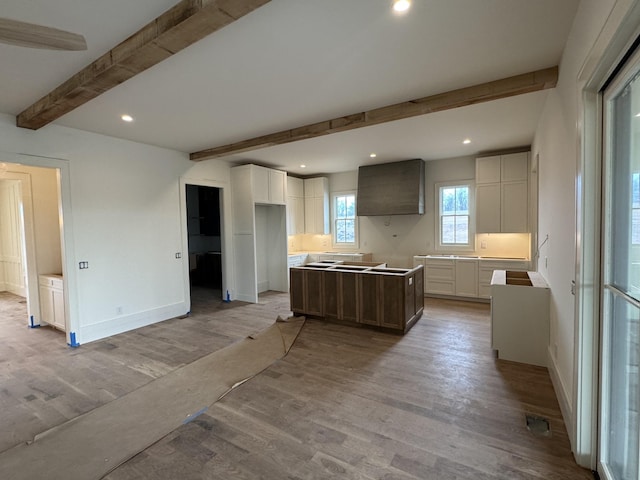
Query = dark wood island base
x=362 y=295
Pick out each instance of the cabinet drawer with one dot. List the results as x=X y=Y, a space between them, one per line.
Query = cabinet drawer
x=53 y=281
x=440 y=272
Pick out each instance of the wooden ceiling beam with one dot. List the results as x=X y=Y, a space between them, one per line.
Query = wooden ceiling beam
x=177 y=28
x=485 y=92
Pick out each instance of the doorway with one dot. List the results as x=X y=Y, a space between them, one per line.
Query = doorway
x=204 y=233
x=31 y=239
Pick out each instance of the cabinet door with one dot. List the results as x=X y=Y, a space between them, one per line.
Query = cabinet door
x=348 y=296
x=47 y=314
x=296 y=290
x=514 y=167
x=58 y=309
x=330 y=288
x=309 y=216
x=467 y=278
x=260 y=184
x=514 y=210
x=488 y=208
x=488 y=169
x=393 y=298
x=277 y=187
x=368 y=307
x=418 y=285
x=313 y=292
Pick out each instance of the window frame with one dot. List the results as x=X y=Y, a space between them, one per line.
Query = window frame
x=343 y=245
x=470 y=246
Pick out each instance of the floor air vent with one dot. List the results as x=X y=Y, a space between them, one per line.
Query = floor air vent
x=538 y=426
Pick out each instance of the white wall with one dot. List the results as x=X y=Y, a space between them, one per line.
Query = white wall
x=125 y=214
x=556 y=142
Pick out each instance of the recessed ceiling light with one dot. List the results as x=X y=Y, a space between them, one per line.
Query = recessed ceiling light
x=127 y=118
x=466 y=141
x=303 y=166
x=373 y=155
x=637 y=114
x=401 y=5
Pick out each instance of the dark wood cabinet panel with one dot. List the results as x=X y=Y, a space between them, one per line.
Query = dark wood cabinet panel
x=348 y=295
x=296 y=290
x=313 y=292
x=330 y=280
x=392 y=298
x=368 y=299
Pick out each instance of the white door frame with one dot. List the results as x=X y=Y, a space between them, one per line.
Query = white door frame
x=225 y=235
x=66 y=235
x=616 y=38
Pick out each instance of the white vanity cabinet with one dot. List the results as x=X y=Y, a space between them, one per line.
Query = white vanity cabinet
x=52 y=309
x=317 y=216
x=502 y=193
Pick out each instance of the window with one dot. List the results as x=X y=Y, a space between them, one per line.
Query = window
x=454 y=224
x=344 y=220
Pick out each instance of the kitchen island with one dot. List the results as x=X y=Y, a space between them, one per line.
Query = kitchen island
x=359 y=294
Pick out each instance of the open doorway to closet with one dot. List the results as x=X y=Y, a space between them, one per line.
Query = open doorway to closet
x=31 y=248
x=204 y=230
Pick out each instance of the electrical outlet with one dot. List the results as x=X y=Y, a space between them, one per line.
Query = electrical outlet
x=83 y=265
x=178 y=255
x=483 y=244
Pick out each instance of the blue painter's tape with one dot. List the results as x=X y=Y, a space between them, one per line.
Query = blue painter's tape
x=192 y=417
x=72 y=340
x=31 y=324
x=228 y=299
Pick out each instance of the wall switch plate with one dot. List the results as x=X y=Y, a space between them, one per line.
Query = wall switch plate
x=483 y=244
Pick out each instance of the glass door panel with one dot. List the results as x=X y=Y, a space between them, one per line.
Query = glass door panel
x=620 y=352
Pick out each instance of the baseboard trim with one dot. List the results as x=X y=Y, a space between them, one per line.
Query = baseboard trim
x=564 y=400
x=124 y=323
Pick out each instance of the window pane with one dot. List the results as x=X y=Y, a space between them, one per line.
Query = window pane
x=448 y=201
x=448 y=229
x=350 y=231
x=462 y=229
x=341 y=207
x=351 y=206
x=462 y=201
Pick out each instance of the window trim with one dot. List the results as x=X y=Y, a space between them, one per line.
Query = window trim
x=341 y=245
x=471 y=245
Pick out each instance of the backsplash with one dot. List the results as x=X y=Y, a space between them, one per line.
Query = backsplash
x=513 y=245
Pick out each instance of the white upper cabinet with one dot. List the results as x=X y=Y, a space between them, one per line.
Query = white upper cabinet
x=268 y=185
x=502 y=193
x=316 y=206
x=295 y=206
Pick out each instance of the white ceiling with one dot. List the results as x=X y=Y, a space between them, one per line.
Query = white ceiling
x=295 y=62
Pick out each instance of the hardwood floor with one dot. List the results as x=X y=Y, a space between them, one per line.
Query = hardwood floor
x=345 y=403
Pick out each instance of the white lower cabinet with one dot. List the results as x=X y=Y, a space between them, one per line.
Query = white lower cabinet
x=52 y=301
x=466 y=278
x=440 y=276
x=487 y=267
x=463 y=277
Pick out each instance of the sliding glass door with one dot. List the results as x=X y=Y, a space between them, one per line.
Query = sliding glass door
x=620 y=352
